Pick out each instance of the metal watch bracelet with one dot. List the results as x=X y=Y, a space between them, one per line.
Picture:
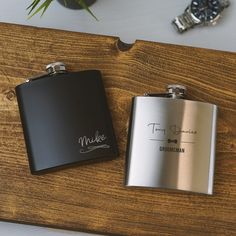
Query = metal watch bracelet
x=184 y=21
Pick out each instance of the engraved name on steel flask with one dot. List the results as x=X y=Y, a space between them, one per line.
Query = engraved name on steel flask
x=65 y=118
x=171 y=142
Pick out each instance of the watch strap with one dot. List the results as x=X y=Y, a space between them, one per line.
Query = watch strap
x=184 y=22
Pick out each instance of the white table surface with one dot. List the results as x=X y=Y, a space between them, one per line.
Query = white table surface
x=10 y=229
x=130 y=20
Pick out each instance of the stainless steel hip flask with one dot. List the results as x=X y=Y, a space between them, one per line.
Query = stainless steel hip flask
x=171 y=142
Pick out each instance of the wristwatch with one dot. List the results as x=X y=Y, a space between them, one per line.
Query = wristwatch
x=200 y=12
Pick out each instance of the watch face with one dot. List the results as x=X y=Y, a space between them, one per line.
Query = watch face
x=205 y=10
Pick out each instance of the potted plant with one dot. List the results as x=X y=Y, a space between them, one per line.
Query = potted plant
x=42 y=5
x=72 y=4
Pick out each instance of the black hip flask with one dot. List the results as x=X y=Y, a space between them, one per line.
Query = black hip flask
x=65 y=118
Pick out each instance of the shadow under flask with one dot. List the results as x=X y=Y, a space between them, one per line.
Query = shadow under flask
x=171 y=142
x=65 y=118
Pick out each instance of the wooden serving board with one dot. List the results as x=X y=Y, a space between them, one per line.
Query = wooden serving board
x=92 y=197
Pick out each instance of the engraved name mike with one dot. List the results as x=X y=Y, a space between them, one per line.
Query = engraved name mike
x=90 y=144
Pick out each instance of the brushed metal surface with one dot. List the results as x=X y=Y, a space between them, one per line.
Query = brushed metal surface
x=172 y=144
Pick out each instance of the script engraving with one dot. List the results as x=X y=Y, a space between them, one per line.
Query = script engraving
x=89 y=144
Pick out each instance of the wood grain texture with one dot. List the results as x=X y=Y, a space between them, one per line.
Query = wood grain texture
x=92 y=197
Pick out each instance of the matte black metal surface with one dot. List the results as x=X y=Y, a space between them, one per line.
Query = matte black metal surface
x=66 y=120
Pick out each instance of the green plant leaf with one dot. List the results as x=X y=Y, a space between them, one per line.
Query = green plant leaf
x=84 y=5
x=32 y=6
x=42 y=7
x=46 y=6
